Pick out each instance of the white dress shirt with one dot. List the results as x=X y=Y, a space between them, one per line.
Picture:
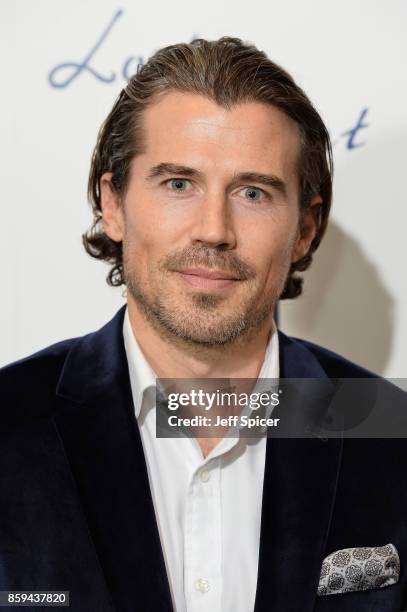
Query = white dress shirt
x=208 y=510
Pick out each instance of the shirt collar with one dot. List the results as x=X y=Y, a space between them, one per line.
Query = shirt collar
x=143 y=377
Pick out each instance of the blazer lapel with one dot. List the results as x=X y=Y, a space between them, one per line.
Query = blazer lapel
x=98 y=427
x=298 y=496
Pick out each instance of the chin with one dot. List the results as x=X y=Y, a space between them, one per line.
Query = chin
x=193 y=329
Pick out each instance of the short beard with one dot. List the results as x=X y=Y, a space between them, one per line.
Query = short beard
x=175 y=324
x=202 y=327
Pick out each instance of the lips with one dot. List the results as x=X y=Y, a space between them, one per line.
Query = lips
x=210 y=280
x=205 y=273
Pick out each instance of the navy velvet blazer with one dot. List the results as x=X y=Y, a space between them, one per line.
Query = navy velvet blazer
x=76 y=512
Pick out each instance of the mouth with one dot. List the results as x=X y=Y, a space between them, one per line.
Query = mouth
x=204 y=279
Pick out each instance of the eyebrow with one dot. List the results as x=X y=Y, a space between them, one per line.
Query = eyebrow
x=269 y=180
x=167 y=168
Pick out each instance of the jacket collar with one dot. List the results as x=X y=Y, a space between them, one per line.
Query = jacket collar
x=96 y=362
x=97 y=424
x=296 y=361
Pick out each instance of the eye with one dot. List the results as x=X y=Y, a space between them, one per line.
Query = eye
x=254 y=194
x=178 y=184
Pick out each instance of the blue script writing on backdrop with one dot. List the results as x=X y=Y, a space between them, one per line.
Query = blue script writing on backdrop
x=63 y=75
x=351 y=134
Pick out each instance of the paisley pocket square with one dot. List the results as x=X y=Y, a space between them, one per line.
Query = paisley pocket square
x=359 y=569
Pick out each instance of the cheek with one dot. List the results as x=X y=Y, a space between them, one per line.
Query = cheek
x=270 y=244
x=150 y=220
x=139 y=228
x=135 y=246
x=147 y=240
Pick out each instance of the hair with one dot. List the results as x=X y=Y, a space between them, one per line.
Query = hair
x=227 y=71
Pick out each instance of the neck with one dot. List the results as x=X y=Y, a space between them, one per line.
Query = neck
x=170 y=357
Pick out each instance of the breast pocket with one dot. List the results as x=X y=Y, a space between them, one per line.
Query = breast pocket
x=388 y=599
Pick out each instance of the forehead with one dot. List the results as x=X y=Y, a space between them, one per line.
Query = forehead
x=186 y=127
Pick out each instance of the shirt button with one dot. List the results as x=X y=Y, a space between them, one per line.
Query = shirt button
x=202 y=585
x=204 y=475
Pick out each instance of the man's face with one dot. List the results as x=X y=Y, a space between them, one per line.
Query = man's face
x=210 y=219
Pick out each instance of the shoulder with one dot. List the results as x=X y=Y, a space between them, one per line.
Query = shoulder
x=45 y=357
x=371 y=409
x=31 y=380
x=334 y=364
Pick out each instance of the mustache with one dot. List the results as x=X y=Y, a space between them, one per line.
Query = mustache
x=208 y=258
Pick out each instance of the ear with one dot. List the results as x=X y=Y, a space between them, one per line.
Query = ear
x=307 y=228
x=112 y=208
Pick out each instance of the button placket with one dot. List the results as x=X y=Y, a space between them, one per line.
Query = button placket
x=202 y=544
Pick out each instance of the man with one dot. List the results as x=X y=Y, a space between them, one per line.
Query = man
x=211 y=186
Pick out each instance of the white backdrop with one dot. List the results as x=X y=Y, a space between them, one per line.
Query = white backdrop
x=66 y=62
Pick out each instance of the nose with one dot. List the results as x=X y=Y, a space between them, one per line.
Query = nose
x=213 y=224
